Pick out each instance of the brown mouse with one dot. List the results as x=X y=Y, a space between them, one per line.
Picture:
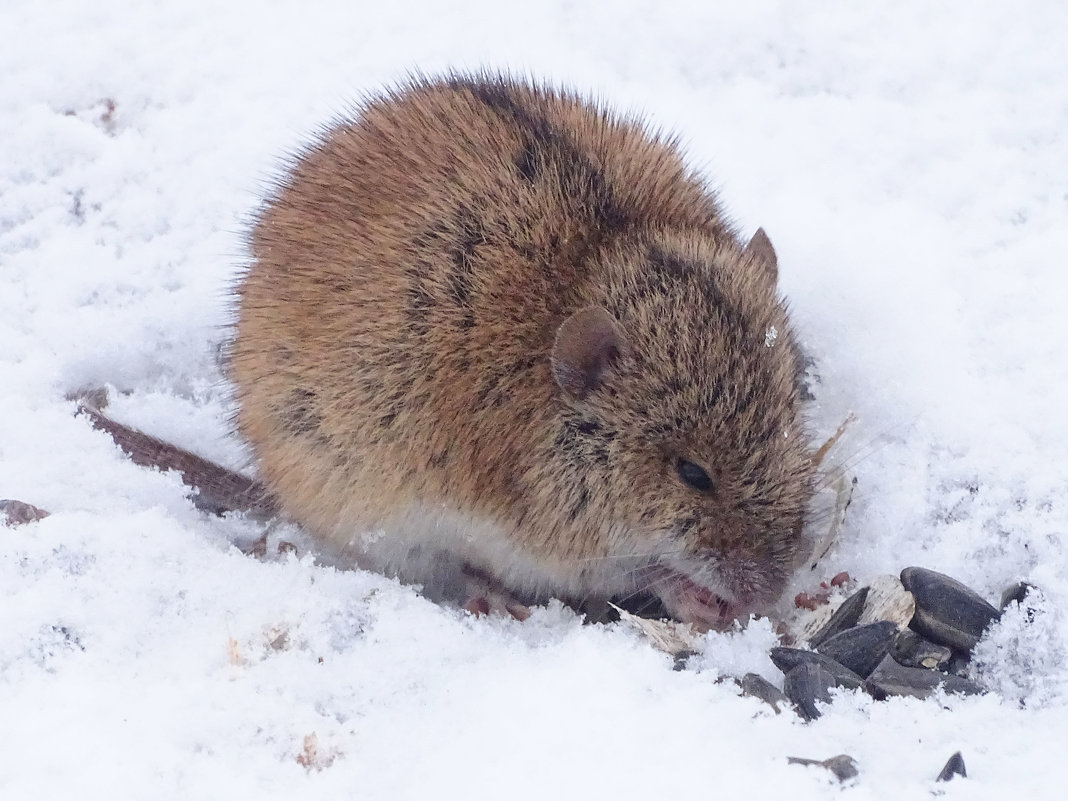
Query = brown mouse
x=489 y=324
x=490 y=330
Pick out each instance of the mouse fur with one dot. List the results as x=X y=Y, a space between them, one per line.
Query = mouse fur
x=489 y=325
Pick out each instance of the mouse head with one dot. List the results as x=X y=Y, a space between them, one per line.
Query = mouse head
x=679 y=415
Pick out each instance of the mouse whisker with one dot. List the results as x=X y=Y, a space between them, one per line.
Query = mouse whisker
x=873 y=445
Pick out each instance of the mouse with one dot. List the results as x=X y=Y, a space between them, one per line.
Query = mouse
x=498 y=341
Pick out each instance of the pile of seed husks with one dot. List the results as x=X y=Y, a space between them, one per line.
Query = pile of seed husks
x=907 y=637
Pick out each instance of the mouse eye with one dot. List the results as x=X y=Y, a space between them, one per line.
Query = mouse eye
x=694 y=476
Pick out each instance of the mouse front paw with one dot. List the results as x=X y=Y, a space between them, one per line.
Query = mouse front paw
x=487 y=596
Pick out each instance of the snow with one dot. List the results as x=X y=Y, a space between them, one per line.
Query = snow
x=907 y=160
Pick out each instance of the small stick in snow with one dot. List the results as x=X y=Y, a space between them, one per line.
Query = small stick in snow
x=833 y=439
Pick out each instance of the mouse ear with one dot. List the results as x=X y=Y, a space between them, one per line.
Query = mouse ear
x=587 y=343
x=762 y=252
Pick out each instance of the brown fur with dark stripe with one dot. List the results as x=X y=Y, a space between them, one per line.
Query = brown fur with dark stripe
x=396 y=328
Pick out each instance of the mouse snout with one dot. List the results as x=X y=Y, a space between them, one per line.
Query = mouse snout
x=752 y=583
x=712 y=590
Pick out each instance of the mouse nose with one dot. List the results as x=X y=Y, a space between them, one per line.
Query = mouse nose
x=752 y=583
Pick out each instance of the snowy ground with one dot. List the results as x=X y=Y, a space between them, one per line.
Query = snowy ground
x=909 y=161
